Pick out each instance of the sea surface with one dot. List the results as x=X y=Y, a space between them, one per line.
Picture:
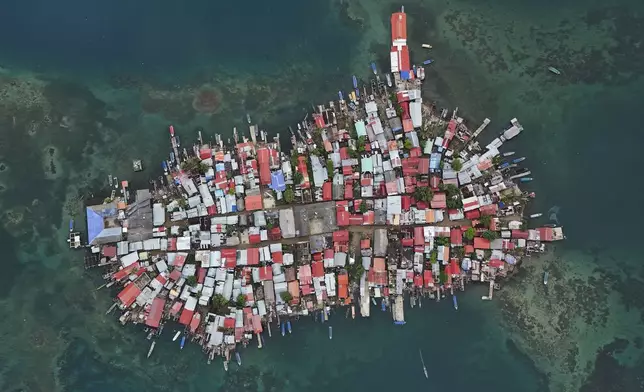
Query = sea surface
x=88 y=86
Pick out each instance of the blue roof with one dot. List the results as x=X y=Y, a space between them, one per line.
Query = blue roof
x=277 y=181
x=94 y=224
x=405 y=75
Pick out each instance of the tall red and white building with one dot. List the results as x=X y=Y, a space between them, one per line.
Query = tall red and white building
x=399 y=54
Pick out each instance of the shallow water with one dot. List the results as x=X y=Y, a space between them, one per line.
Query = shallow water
x=85 y=88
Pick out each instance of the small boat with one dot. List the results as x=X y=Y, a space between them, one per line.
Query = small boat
x=428 y=61
x=537 y=215
x=288 y=326
x=353 y=312
x=151 y=348
x=526 y=179
x=504 y=165
x=71 y=225
x=508 y=154
x=176 y=336
x=238 y=357
x=545 y=278
x=340 y=96
x=517 y=160
x=400 y=322
x=178 y=141
x=427 y=46
x=388 y=80
x=226 y=365
x=172 y=159
x=248 y=117
x=382 y=305
x=283 y=329
x=171 y=130
x=183 y=342
x=357 y=92
x=554 y=70
x=326 y=314
x=355 y=82
x=322 y=316
x=455 y=301
x=373 y=68
x=423 y=362
x=330 y=332
x=164 y=165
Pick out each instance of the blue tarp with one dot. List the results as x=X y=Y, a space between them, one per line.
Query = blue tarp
x=405 y=75
x=94 y=224
x=277 y=181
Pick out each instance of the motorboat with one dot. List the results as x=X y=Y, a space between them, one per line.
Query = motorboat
x=151 y=348
x=176 y=336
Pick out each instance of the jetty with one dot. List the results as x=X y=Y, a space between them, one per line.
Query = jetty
x=380 y=196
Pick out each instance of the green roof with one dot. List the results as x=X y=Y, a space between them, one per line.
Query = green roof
x=360 y=128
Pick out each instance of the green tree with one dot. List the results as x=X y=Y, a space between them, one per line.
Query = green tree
x=191 y=281
x=219 y=305
x=451 y=190
x=457 y=164
x=469 y=233
x=423 y=193
x=231 y=191
x=289 y=195
x=353 y=154
x=496 y=160
x=329 y=167
x=194 y=165
x=486 y=220
x=490 y=235
x=240 y=302
x=294 y=160
x=286 y=296
x=297 y=178
x=453 y=203
x=407 y=144
x=363 y=207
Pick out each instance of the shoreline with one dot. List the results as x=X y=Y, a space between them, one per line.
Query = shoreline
x=404 y=169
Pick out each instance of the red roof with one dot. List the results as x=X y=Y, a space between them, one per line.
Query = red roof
x=428 y=278
x=456 y=270
x=229 y=322
x=123 y=273
x=341 y=236
x=398 y=26
x=407 y=242
x=328 y=253
x=201 y=275
x=319 y=120
x=342 y=217
x=434 y=182
x=175 y=274
x=469 y=249
x=365 y=243
x=439 y=200
x=489 y=209
x=186 y=316
x=495 y=263
x=344 y=153
x=474 y=214
x=179 y=260
x=196 y=319
x=128 y=295
x=263 y=155
x=254 y=238
x=109 y=251
x=355 y=220
x=481 y=243
x=418 y=280
x=520 y=234
x=317 y=269
x=419 y=236
x=405 y=202
x=278 y=257
x=348 y=188
x=156 y=311
x=456 y=236
x=254 y=202
x=265 y=273
x=327 y=191
x=252 y=256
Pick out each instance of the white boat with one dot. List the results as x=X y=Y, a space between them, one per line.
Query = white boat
x=226 y=365
x=537 y=215
x=353 y=312
x=427 y=46
x=508 y=154
x=176 y=336
x=151 y=348
x=388 y=80
x=545 y=278
x=423 y=362
x=330 y=332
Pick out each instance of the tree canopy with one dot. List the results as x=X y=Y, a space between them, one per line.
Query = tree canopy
x=363 y=207
x=423 y=193
x=486 y=220
x=240 y=302
x=469 y=233
x=219 y=304
x=490 y=235
x=297 y=178
x=286 y=296
x=457 y=164
x=289 y=195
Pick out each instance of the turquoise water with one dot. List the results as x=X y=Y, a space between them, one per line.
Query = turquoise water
x=87 y=87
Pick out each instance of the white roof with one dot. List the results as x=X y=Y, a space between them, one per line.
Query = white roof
x=129 y=259
x=158 y=214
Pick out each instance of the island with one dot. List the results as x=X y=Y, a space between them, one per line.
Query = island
x=381 y=198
